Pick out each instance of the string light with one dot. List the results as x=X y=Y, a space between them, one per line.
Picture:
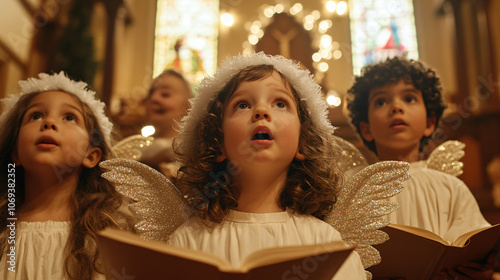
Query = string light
x=327 y=49
x=227 y=19
x=148 y=130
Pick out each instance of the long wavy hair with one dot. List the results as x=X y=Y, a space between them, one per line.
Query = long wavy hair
x=391 y=72
x=311 y=184
x=96 y=203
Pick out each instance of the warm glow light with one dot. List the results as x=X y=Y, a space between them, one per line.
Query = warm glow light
x=254 y=29
x=227 y=19
x=308 y=26
x=323 y=26
x=253 y=39
x=279 y=8
x=326 y=41
x=269 y=12
x=309 y=18
x=316 y=57
x=337 y=54
x=330 y=6
x=323 y=66
x=341 y=8
x=333 y=100
x=296 y=8
x=316 y=14
x=148 y=130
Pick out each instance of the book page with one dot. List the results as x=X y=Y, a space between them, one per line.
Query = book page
x=163 y=248
x=281 y=254
x=463 y=239
x=406 y=255
x=420 y=232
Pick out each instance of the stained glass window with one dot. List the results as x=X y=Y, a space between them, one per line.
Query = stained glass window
x=186 y=37
x=381 y=29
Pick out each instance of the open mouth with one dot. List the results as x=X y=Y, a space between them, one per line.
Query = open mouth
x=262 y=133
x=46 y=140
x=397 y=123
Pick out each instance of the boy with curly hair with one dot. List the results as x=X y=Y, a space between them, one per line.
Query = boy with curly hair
x=395 y=106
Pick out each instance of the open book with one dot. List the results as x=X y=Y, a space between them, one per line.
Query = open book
x=414 y=253
x=126 y=255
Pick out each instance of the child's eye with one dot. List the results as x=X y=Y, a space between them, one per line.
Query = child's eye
x=35 y=116
x=380 y=102
x=241 y=106
x=281 y=104
x=410 y=99
x=70 y=118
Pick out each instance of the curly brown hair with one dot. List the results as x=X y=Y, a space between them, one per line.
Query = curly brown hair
x=390 y=72
x=311 y=184
x=96 y=203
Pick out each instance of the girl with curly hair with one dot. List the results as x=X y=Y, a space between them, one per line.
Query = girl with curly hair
x=52 y=197
x=257 y=156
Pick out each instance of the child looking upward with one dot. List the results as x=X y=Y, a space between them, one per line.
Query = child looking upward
x=55 y=133
x=395 y=106
x=257 y=162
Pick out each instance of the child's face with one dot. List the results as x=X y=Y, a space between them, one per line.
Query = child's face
x=168 y=102
x=53 y=133
x=261 y=124
x=397 y=117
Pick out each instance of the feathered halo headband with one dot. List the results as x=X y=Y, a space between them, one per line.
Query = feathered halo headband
x=61 y=82
x=301 y=80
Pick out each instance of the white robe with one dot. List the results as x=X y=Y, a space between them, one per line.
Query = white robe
x=241 y=234
x=40 y=252
x=437 y=202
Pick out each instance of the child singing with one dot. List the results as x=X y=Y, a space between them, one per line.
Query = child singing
x=257 y=162
x=55 y=133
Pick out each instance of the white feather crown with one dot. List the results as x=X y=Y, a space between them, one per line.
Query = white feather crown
x=210 y=87
x=61 y=82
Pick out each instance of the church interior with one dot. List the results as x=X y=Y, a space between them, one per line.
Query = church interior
x=119 y=46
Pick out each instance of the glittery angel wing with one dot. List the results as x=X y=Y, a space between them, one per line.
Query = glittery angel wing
x=130 y=147
x=350 y=156
x=159 y=204
x=446 y=158
x=359 y=211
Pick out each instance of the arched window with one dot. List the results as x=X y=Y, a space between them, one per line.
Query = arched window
x=186 y=37
x=381 y=29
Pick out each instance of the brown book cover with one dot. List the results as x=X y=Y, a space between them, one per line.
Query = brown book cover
x=414 y=253
x=126 y=255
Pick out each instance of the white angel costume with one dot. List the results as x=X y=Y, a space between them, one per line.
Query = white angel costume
x=355 y=218
x=241 y=234
x=435 y=199
x=40 y=252
x=40 y=246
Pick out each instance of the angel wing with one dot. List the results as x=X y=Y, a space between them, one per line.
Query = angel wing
x=349 y=155
x=446 y=158
x=360 y=207
x=130 y=147
x=159 y=204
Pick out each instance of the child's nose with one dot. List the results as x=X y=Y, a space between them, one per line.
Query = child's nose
x=397 y=107
x=260 y=114
x=48 y=124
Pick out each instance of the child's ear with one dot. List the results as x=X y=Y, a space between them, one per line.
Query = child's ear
x=299 y=156
x=364 y=128
x=222 y=156
x=92 y=158
x=431 y=125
